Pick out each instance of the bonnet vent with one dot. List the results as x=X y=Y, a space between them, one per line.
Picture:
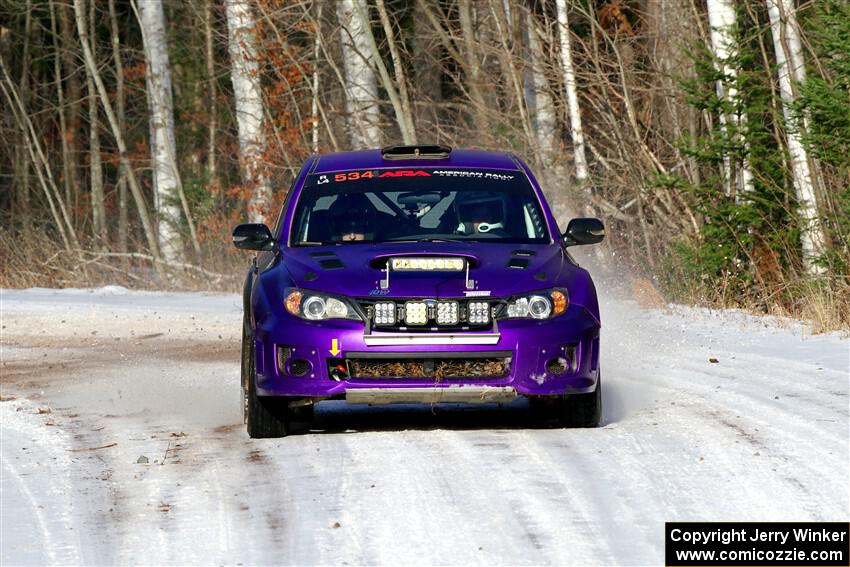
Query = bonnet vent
x=331 y=264
x=423 y=151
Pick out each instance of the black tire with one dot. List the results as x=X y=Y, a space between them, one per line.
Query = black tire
x=264 y=417
x=582 y=410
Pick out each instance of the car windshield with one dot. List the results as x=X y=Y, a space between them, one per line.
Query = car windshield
x=428 y=204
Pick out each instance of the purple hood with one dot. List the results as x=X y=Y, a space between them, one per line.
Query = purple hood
x=500 y=269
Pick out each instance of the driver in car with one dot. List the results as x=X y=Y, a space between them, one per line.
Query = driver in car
x=352 y=217
x=481 y=213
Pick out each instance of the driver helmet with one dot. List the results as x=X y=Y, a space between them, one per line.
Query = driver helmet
x=480 y=211
x=352 y=213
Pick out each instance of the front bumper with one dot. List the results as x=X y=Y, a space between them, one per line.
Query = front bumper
x=528 y=346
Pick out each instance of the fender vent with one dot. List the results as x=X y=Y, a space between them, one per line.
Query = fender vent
x=331 y=264
x=523 y=252
x=322 y=254
x=518 y=263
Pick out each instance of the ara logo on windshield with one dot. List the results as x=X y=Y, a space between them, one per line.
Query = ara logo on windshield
x=378 y=291
x=405 y=173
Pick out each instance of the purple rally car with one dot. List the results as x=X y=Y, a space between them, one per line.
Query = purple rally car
x=417 y=274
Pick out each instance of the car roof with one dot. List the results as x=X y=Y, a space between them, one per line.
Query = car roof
x=372 y=159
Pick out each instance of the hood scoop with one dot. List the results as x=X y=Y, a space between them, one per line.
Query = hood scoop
x=518 y=263
x=328 y=260
x=331 y=264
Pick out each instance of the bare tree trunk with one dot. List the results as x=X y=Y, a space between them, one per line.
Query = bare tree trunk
x=245 y=74
x=545 y=123
x=507 y=58
x=123 y=220
x=723 y=21
x=212 y=173
x=470 y=62
x=314 y=98
x=39 y=160
x=67 y=164
x=158 y=79
x=398 y=68
x=135 y=189
x=21 y=180
x=95 y=164
x=403 y=120
x=361 y=85
x=576 y=131
x=74 y=92
x=789 y=59
x=425 y=70
x=166 y=181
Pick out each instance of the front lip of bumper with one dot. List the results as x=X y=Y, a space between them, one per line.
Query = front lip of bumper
x=530 y=342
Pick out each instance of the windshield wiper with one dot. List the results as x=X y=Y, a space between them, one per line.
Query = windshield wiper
x=427 y=239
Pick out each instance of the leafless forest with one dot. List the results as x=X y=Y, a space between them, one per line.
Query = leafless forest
x=711 y=136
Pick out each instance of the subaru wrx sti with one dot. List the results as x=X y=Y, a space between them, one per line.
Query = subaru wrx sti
x=417 y=274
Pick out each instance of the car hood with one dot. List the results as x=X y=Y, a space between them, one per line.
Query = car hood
x=497 y=270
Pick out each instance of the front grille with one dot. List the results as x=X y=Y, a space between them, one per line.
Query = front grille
x=435 y=368
x=430 y=314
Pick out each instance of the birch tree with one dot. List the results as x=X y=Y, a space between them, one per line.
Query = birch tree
x=402 y=113
x=545 y=124
x=573 y=108
x=791 y=69
x=361 y=93
x=135 y=188
x=723 y=22
x=163 y=146
x=247 y=90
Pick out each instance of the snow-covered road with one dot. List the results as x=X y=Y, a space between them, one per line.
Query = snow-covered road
x=103 y=380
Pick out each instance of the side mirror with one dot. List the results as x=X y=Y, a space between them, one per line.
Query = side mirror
x=584 y=231
x=253 y=236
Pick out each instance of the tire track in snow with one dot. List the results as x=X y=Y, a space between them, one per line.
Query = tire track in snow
x=58 y=534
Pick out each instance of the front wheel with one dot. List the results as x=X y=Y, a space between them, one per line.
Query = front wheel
x=582 y=410
x=263 y=417
x=571 y=410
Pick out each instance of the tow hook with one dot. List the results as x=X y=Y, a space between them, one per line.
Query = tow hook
x=338 y=370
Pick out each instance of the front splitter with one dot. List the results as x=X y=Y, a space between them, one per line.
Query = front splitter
x=444 y=394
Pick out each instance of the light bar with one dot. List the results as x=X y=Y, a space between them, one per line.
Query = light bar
x=478 y=312
x=427 y=264
x=385 y=313
x=415 y=312
x=447 y=313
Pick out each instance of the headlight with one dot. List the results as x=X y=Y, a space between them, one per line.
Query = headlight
x=316 y=306
x=540 y=305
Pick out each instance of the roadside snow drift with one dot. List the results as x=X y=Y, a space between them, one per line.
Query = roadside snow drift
x=122 y=442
